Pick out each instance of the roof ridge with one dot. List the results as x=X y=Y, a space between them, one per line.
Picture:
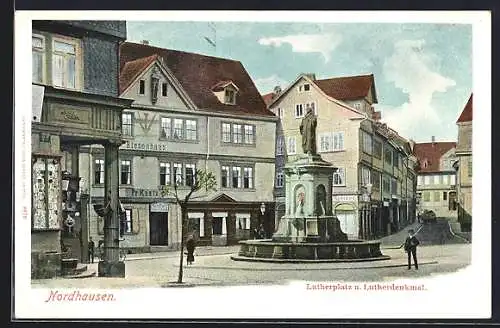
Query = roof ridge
x=346 y=77
x=186 y=52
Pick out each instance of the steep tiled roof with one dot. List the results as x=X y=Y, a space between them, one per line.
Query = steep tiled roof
x=347 y=88
x=466 y=115
x=430 y=153
x=132 y=69
x=268 y=98
x=197 y=74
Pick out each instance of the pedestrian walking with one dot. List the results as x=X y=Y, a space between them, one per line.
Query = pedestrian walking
x=410 y=246
x=91 y=250
x=190 y=246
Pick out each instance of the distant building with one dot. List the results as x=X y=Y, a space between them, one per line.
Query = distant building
x=374 y=186
x=436 y=180
x=464 y=156
x=190 y=111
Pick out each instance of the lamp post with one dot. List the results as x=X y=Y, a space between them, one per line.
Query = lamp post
x=366 y=226
x=262 y=218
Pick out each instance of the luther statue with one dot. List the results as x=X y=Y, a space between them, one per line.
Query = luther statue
x=308 y=132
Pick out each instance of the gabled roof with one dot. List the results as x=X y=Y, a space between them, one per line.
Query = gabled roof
x=268 y=98
x=348 y=87
x=431 y=152
x=466 y=115
x=197 y=74
x=132 y=69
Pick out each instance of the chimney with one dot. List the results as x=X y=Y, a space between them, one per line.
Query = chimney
x=433 y=139
x=312 y=76
x=146 y=42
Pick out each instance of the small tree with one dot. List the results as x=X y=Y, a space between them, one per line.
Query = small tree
x=202 y=181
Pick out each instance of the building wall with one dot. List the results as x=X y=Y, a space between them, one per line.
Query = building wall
x=464 y=174
x=432 y=194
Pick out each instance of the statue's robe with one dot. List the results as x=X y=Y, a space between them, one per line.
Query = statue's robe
x=308 y=132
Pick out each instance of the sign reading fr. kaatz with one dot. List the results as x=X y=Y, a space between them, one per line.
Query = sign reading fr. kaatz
x=144 y=146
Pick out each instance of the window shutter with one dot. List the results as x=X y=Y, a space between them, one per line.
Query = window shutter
x=135 y=220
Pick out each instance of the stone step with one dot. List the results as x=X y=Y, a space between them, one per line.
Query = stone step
x=72 y=271
x=69 y=264
x=84 y=274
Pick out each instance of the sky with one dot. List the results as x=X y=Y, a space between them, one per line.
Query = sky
x=423 y=72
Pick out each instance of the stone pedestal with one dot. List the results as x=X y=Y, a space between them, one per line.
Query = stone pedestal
x=111 y=269
x=308 y=216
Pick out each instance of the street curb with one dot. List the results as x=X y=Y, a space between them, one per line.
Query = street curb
x=310 y=269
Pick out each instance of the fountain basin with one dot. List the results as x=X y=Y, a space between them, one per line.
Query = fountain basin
x=267 y=250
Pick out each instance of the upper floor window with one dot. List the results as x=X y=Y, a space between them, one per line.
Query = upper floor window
x=357 y=106
x=420 y=180
x=427 y=180
x=305 y=87
x=339 y=177
x=386 y=184
x=367 y=142
x=238 y=133
x=280 y=145
x=291 y=145
x=280 y=180
x=375 y=180
x=99 y=171
x=190 y=171
x=126 y=172
x=127 y=124
x=126 y=223
x=164 y=89
x=38 y=58
x=394 y=186
x=365 y=176
x=142 y=87
x=178 y=129
x=377 y=149
x=452 y=180
x=64 y=64
x=237 y=176
x=279 y=112
x=164 y=174
x=388 y=156
x=331 y=141
x=437 y=179
x=395 y=159
x=299 y=111
x=445 y=179
x=230 y=96
x=469 y=167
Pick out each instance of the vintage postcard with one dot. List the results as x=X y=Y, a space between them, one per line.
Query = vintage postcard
x=252 y=165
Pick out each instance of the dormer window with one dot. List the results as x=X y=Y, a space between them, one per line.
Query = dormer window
x=226 y=92
x=229 y=97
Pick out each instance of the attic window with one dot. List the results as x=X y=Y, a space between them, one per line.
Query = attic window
x=230 y=96
x=142 y=87
x=304 y=88
x=163 y=89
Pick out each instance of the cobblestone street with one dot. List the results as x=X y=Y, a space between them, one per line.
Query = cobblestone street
x=215 y=267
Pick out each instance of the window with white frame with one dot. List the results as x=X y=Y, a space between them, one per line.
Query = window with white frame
x=191 y=130
x=226 y=132
x=452 y=179
x=164 y=88
x=357 y=106
x=339 y=177
x=445 y=179
x=365 y=176
x=238 y=133
x=99 y=171
x=190 y=174
x=280 y=145
x=178 y=173
x=166 y=127
x=164 y=174
x=367 y=142
x=386 y=185
x=243 y=221
x=236 y=177
x=388 y=156
x=38 y=58
x=299 y=111
x=312 y=105
x=225 y=176
x=436 y=179
x=427 y=180
x=420 y=180
x=249 y=134
x=125 y=172
x=291 y=145
x=64 y=63
x=230 y=97
x=331 y=141
x=178 y=127
x=375 y=180
x=279 y=112
x=127 y=124
x=280 y=180
x=127 y=222
x=247 y=177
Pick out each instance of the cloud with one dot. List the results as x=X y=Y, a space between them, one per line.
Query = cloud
x=410 y=68
x=267 y=84
x=314 y=43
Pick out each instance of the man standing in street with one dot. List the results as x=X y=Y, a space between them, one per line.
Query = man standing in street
x=410 y=247
x=91 y=250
